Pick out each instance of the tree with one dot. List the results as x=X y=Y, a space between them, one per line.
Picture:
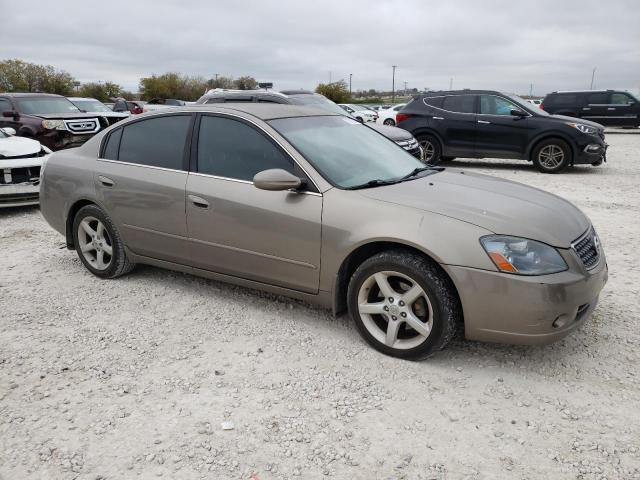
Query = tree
x=100 y=91
x=19 y=76
x=172 y=85
x=336 y=91
x=245 y=83
x=220 y=82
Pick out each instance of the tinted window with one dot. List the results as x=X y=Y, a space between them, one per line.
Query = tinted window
x=434 y=101
x=111 y=147
x=620 y=99
x=564 y=99
x=460 y=104
x=5 y=105
x=157 y=142
x=492 y=105
x=232 y=149
x=120 y=106
x=597 y=98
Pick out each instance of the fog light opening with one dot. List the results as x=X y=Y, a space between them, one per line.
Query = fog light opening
x=561 y=321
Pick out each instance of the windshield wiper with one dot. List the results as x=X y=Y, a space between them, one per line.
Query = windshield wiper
x=372 y=183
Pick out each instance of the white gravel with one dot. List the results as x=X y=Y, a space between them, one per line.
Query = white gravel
x=165 y=374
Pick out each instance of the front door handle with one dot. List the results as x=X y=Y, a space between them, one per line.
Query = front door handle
x=484 y=122
x=106 y=181
x=438 y=118
x=611 y=108
x=198 y=201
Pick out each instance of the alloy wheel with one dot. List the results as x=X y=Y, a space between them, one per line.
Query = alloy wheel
x=428 y=150
x=389 y=122
x=395 y=309
x=95 y=243
x=551 y=156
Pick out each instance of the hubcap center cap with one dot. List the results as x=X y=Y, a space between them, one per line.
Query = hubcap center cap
x=394 y=310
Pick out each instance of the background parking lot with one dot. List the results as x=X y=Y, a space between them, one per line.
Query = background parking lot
x=136 y=376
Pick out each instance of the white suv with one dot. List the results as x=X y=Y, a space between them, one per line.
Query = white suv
x=360 y=113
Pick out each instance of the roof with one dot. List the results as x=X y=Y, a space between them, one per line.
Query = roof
x=459 y=92
x=82 y=98
x=263 y=111
x=583 y=91
x=296 y=92
x=32 y=94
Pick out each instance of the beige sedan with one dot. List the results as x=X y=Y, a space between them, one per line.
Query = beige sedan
x=319 y=207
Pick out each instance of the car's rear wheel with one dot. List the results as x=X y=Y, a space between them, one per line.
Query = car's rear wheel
x=403 y=305
x=552 y=156
x=430 y=148
x=390 y=121
x=99 y=244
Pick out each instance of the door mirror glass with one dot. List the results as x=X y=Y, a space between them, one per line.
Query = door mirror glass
x=10 y=114
x=9 y=131
x=517 y=112
x=276 y=179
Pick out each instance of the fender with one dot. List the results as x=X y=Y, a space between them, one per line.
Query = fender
x=551 y=134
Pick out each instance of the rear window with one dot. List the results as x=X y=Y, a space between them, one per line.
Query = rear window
x=459 y=103
x=597 y=99
x=113 y=143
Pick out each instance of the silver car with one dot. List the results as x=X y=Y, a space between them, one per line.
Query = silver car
x=318 y=207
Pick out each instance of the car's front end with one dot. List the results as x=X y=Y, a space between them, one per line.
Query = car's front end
x=21 y=161
x=400 y=137
x=590 y=142
x=59 y=131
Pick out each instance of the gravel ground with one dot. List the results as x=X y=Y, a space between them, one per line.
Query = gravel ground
x=164 y=374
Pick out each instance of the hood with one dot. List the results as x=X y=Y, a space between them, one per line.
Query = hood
x=18 y=146
x=498 y=205
x=564 y=119
x=393 y=133
x=66 y=116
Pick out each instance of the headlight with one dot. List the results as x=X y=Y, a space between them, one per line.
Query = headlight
x=584 y=128
x=522 y=256
x=54 y=124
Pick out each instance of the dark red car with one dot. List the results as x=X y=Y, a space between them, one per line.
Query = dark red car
x=51 y=119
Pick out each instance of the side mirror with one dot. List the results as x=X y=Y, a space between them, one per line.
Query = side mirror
x=276 y=179
x=9 y=131
x=518 y=113
x=11 y=114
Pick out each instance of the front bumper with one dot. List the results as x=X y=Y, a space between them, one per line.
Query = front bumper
x=591 y=150
x=20 y=181
x=19 y=195
x=527 y=310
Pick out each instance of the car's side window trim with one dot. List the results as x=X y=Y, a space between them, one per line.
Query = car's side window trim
x=193 y=157
x=185 y=152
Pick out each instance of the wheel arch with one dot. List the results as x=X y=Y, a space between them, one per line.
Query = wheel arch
x=364 y=251
x=548 y=136
x=71 y=215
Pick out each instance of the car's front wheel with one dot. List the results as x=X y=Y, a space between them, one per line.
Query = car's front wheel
x=552 y=156
x=431 y=150
x=403 y=305
x=99 y=244
x=390 y=122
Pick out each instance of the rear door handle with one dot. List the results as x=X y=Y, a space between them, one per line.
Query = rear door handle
x=611 y=108
x=438 y=118
x=198 y=201
x=106 y=181
x=484 y=122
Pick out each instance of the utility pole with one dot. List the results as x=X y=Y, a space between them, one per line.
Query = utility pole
x=405 y=89
x=393 y=84
x=593 y=74
x=350 y=75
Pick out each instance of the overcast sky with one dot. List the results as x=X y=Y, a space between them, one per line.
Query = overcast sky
x=505 y=45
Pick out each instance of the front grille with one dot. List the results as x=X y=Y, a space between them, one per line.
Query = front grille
x=84 y=125
x=14 y=176
x=587 y=247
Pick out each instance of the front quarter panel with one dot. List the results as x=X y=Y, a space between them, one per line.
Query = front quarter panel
x=351 y=220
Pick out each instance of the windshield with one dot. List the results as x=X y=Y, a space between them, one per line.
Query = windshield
x=2 y=134
x=318 y=101
x=37 y=105
x=344 y=151
x=91 y=106
x=527 y=106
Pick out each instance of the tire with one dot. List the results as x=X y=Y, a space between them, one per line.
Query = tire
x=390 y=122
x=360 y=119
x=95 y=232
x=436 y=307
x=429 y=143
x=597 y=163
x=552 y=156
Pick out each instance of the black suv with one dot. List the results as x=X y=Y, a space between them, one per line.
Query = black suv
x=612 y=108
x=484 y=123
x=304 y=97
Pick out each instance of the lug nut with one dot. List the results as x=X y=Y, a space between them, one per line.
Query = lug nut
x=390 y=299
x=401 y=303
x=403 y=315
x=394 y=318
x=386 y=309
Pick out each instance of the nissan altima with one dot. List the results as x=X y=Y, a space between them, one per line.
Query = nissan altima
x=316 y=206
